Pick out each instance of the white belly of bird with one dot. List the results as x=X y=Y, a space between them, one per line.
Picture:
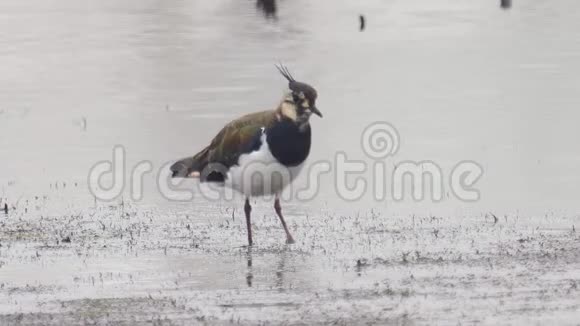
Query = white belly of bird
x=259 y=173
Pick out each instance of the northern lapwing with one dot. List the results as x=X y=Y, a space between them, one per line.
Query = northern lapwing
x=260 y=153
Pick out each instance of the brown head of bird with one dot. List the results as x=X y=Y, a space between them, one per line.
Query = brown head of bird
x=300 y=102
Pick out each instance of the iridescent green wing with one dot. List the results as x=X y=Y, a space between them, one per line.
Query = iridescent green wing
x=238 y=137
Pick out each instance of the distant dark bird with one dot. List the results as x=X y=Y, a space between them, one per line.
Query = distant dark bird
x=6 y=209
x=362 y=22
x=268 y=7
x=506 y=4
x=260 y=153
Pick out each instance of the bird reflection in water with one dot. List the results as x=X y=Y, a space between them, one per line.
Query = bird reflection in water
x=279 y=269
x=249 y=274
x=268 y=7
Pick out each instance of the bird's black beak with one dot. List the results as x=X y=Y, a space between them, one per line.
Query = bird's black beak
x=315 y=111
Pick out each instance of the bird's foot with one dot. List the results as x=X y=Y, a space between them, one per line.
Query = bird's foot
x=290 y=240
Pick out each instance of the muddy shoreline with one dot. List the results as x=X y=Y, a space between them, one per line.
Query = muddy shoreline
x=130 y=266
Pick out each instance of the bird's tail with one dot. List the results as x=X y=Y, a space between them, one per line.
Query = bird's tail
x=190 y=167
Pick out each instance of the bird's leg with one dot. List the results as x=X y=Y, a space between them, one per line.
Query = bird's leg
x=278 y=208
x=248 y=210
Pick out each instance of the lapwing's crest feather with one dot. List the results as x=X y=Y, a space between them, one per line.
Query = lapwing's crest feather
x=284 y=71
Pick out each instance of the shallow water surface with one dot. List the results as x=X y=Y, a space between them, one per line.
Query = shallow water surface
x=458 y=80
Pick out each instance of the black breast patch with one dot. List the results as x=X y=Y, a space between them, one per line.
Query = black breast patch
x=288 y=144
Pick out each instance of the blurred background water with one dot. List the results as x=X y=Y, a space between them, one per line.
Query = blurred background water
x=460 y=80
